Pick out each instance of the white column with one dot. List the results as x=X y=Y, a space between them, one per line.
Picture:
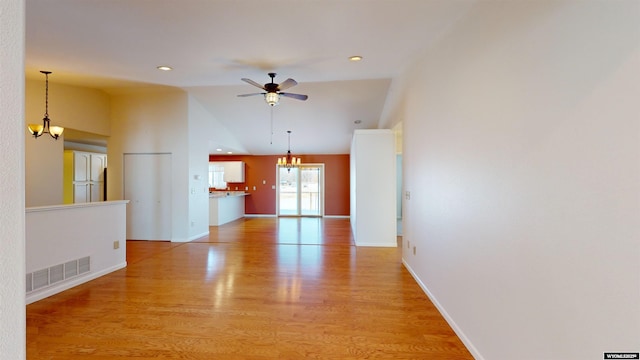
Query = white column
x=12 y=216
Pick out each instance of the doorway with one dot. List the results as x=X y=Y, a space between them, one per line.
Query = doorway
x=300 y=190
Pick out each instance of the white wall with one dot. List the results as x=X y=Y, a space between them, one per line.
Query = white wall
x=200 y=129
x=12 y=217
x=373 y=188
x=43 y=169
x=81 y=230
x=73 y=107
x=522 y=155
x=153 y=121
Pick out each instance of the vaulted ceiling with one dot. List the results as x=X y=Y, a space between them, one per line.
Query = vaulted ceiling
x=212 y=44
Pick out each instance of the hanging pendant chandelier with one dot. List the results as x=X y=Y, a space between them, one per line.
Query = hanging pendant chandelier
x=36 y=129
x=288 y=161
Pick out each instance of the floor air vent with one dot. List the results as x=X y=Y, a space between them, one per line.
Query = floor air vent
x=46 y=277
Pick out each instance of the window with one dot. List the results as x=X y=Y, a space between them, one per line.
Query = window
x=216 y=176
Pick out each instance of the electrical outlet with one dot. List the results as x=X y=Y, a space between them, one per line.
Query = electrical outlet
x=116 y=245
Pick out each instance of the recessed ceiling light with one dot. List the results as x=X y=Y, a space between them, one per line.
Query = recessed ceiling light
x=355 y=58
x=218 y=149
x=229 y=152
x=164 y=68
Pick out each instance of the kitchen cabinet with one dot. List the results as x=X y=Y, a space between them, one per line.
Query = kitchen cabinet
x=233 y=171
x=225 y=208
x=83 y=176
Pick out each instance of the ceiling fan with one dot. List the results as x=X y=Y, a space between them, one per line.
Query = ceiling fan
x=274 y=91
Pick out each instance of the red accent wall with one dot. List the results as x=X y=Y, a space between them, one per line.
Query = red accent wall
x=262 y=201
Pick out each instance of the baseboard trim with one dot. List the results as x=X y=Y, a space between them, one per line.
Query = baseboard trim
x=52 y=290
x=389 y=244
x=194 y=237
x=274 y=215
x=465 y=340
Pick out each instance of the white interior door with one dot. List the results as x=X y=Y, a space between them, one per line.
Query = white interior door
x=147 y=186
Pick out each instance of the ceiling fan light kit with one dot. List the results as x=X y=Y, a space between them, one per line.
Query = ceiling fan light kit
x=272 y=98
x=273 y=91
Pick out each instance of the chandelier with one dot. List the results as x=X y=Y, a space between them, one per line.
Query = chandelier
x=288 y=161
x=36 y=129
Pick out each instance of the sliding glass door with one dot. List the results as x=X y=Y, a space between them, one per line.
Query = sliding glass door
x=301 y=191
x=288 y=204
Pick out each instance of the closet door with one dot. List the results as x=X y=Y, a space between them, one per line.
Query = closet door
x=147 y=186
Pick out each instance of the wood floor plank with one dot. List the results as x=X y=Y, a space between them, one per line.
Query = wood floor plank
x=256 y=288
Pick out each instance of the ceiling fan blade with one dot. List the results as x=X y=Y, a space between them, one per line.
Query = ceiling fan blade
x=295 y=96
x=253 y=94
x=287 y=84
x=249 y=81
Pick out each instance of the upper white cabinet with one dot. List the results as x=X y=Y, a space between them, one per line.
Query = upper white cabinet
x=233 y=171
x=86 y=166
x=98 y=164
x=80 y=162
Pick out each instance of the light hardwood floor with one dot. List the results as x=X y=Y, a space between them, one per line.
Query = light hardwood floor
x=257 y=288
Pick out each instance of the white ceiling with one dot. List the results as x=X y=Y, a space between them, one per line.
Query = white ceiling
x=212 y=44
